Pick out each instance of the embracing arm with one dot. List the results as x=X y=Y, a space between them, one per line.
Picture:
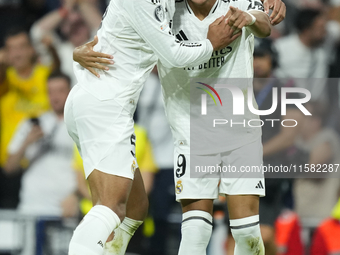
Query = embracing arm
x=150 y=22
x=169 y=50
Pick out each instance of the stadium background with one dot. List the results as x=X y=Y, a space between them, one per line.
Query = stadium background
x=56 y=27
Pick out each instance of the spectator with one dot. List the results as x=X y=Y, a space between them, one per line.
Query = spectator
x=315 y=198
x=23 y=89
x=288 y=234
x=18 y=12
x=308 y=53
x=49 y=182
x=77 y=26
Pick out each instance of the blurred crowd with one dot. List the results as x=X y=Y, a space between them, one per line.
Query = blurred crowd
x=41 y=171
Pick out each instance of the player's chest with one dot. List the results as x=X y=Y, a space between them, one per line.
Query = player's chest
x=187 y=27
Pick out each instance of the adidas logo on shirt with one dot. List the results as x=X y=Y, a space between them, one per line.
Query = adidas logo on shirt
x=259 y=185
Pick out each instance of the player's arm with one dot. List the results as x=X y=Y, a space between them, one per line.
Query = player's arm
x=90 y=59
x=148 y=19
x=261 y=28
x=250 y=14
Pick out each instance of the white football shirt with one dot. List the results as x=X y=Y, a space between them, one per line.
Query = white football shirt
x=138 y=33
x=234 y=61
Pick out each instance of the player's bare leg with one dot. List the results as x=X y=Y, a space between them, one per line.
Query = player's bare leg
x=196 y=226
x=244 y=224
x=109 y=195
x=136 y=211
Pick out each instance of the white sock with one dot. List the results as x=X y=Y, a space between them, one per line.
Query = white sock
x=122 y=237
x=247 y=235
x=196 y=233
x=91 y=234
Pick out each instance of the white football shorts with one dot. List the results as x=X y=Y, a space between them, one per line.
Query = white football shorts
x=210 y=186
x=103 y=132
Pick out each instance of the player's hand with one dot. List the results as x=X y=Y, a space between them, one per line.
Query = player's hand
x=34 y=135
x=237 y=19
x=90 y=59
x=279 y=10
x=220 y=34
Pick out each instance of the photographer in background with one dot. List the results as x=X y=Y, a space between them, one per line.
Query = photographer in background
x=43 y=147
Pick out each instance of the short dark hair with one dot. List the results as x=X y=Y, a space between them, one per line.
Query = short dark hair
x=305 y=18
x=58 y=74
x=14 y=31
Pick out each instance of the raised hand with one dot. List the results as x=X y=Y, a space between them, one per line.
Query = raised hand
x=279 y=10
x=237 y=19
x=90 y=59
x=34 y=135
x=220 y=34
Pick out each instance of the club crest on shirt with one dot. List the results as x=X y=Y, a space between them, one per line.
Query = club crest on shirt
x=179 y=187
x=133 y=167
x=159 y=13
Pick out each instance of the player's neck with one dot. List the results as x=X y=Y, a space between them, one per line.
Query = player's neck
x=201 y=11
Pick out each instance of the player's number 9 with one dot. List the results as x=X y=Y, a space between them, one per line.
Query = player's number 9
x=181 y=164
